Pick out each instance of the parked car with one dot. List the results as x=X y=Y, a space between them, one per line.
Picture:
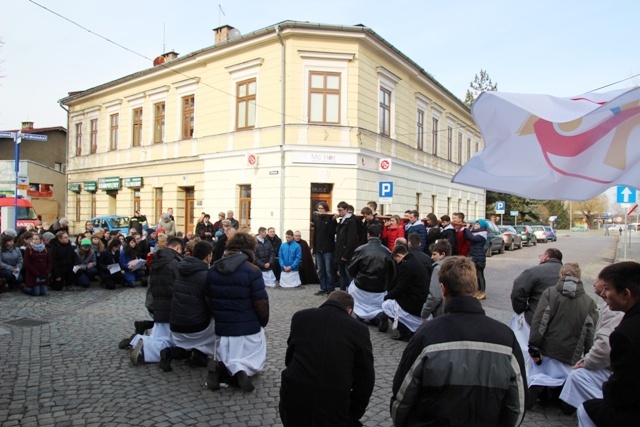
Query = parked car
x=540 y=233
x=526 y=233
x=579 y=228
x=112 y=222
x=512 y=239
x=551 y=234
x=494 y=235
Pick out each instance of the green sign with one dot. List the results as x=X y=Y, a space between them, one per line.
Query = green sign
x=74 y=187
x=111 y=183
x=135 y=182
x=90 y=186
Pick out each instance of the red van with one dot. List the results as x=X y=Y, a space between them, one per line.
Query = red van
x=26 y=213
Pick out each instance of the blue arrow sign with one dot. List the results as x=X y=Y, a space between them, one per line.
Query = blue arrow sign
x=626 y=194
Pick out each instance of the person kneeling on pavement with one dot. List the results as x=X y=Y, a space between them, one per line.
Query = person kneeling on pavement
x=191 y=320
x=372 y=270
x=406 y=295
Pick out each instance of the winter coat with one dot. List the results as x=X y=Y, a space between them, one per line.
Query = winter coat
x=276 y=242
x=599 y=354
x=417 y=227
x=411 y=285
x=62 y=259
x=189 y=309
x=390 y=233
x=531 y=283
x=564 y=323
x=238 y=296
x=125 y=258
x=363 y=230
x=264 y=254
x=447 y=376
x=462 y=245
x=164 y=270
x=106 y=259
x=433 y=234
x=84 y=258
x=434 y=304
x=169 y=227
x=290 y=255
x=38 y=265
x=329 y=374
x=346 y=238
x=203 y=228
x=307 y=270
x=11 y=259
x=478 y=240
x=324 y=234
x=620 y=405
x=371 y=267
x=424 y=259
x=449 y=233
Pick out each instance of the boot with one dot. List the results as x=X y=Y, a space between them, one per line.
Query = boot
x=165 y=359
x=384 y=322
x=142 y=325
x=244 y=381
x=213 y=377
x=125 y=342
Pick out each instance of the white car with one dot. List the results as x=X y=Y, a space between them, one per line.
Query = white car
x=541 y=235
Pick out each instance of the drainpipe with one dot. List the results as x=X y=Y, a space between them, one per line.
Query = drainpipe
x=66 y=161
x=282 y=129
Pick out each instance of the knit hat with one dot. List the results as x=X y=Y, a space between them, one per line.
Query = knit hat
x=166 y=216
x=85 y=242
x=483 y=224
x=10 y=232
x=48 y=236
x=150 y=231
x=129 y=239
x=159 y=230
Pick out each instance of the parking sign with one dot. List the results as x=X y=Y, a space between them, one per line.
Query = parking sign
x=385 y=192
x=500 y=206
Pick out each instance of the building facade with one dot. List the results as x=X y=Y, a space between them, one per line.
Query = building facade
x=267 y=124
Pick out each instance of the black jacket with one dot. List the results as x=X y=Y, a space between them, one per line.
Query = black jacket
x=264 y=254
x=203 y=228
x=371 y=266
x=346 y=239
x=530 y=284
x=189 y=309
x=324 y=234
x=329 y=373
x=164 y=270
x=424 y=258
x=449 y=376
x=411 y=285
x=62 y=259
x=620 y=405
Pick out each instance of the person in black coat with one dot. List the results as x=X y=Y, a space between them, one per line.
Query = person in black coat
x=329 y=374
x=276 y=242
x=62 y=260
x=324 y=246
x=205 y=230
x=110 y=256
x=409 y=290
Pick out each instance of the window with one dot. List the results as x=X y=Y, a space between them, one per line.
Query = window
x=246 y=104
x=136 y=200
x=188 y=116
x=244 y=206
x=434 y=137
x=77 y=197
x=468 y=149
x=157 y=202
x=93 y=205
x=434 y=204
x=449 y=142
x=459 y=148
x=78 y=139
x=324 y=97
x=94 y=136
x=113 y=136
x=137 y=127
x=385 y=111
x=158 y=123
x=420 y=131
x=477 y=146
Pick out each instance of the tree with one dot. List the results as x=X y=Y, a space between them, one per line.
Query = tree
x=558 y=208
x=593 y=208
x=527 y=208
x=479 y=84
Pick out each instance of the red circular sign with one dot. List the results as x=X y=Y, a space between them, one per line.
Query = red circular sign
x=384 y=165
x=251 y=159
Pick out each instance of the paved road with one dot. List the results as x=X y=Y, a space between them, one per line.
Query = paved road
x=61 y=366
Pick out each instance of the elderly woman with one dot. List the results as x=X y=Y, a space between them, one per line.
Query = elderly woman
x=11 y=262
x=240 y=306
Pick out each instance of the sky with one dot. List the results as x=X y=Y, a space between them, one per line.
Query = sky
x=561 y=48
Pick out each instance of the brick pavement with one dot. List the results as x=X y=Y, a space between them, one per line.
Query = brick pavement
x=67 y=370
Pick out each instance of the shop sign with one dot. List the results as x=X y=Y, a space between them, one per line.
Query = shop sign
x=90 y=186
x=135 y=182
x=111 y=183
x=74 y=187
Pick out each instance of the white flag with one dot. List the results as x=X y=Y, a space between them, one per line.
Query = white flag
x=545 y=147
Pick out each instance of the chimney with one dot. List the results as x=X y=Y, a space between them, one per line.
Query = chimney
x=222 y=33
x=27 y=125
x=170 y=55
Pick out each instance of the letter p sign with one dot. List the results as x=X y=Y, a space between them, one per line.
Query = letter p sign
x=385 y=189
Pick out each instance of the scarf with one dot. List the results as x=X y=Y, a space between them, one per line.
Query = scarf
x=37 y=247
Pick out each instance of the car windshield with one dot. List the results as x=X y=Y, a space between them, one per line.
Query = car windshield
x=26 y=213
x=120 y=222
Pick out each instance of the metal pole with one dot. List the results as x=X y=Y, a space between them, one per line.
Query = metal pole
x=625 y=236
x=16 y=140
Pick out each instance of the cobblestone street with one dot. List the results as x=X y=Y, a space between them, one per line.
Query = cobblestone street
x=61 y=366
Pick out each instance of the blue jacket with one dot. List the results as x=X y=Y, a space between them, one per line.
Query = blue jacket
x=418 y=227
x=238 y=297
x=290 y=255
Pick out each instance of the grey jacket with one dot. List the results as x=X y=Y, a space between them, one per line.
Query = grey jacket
x=598 y=356
x=563 y=310
x=530 y=284
x=434 y=305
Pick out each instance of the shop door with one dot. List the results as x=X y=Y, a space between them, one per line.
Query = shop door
x=189 y=209
x=320 y=192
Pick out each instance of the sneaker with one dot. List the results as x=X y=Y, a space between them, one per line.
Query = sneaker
x=321 y=292
x=136 y=354
x=384 y=323
x=165 y=359
x=244 y=381
x=125 y=343
x=213 y=377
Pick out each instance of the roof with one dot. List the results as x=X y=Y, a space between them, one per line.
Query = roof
x=40 y=130
x=258 y=33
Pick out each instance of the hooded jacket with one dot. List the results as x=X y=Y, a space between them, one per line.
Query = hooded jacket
x=189 y=309
x=530 y=284
x=564 y=323
x=238 y=296
x=164 y=270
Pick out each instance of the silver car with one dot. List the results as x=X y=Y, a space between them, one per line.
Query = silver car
x=540 y=233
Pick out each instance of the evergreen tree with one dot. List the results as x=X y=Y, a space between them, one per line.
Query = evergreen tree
x=479 y=84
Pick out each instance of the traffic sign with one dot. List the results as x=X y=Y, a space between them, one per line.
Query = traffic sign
x=385 y=192
x=514 y=213
x=626 y=194
x=384 y=165
x=632 y=209
x=500 y=206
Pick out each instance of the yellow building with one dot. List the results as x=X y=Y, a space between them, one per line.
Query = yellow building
x=266 y=124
